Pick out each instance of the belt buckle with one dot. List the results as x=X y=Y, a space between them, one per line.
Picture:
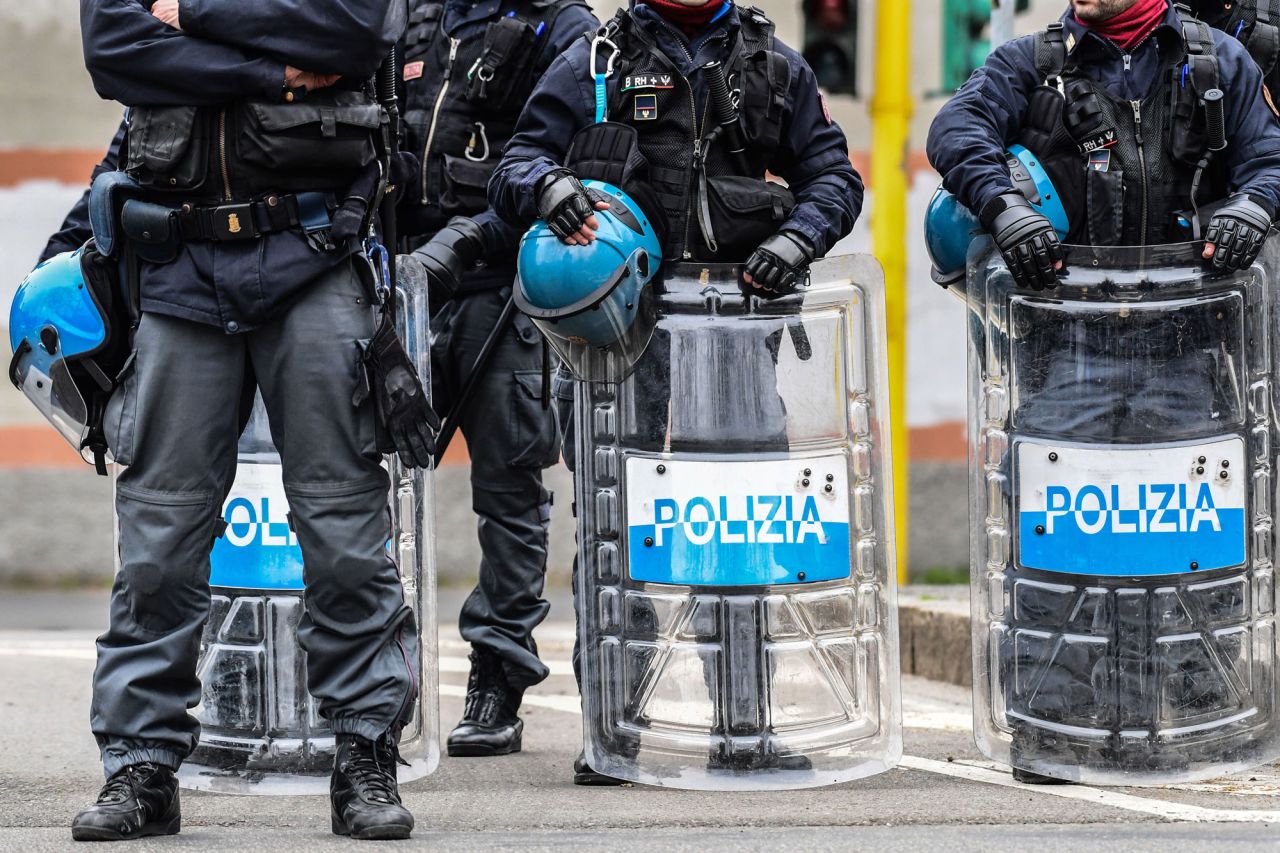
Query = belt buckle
x=234 y=222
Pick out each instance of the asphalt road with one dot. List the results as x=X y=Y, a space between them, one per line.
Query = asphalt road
x=944 y=796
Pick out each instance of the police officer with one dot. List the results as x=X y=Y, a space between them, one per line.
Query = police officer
x=667 y=128
x=242 y=169
x=1256 y=23
x=468 y=69
x=1124 y=139
x=1154 y=130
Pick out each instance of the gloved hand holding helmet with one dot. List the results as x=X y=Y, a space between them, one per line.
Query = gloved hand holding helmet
x=1236 y=233
x=1016 y=220
x=447 y=256
x=779 y=265
x=1026 y=238
x=567 y=208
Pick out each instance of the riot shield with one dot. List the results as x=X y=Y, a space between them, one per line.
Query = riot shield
x=736 y=583
x=1121 y=511
x=260 y=729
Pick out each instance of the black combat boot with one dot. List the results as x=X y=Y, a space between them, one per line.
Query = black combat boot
x=584 y=775
x=139 y=800
x=489 y=723
x=363 y=791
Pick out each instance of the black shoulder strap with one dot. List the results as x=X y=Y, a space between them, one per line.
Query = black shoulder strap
x=424 y=18
x=1202 y=68
x=1263 y=40
x=1051 y=54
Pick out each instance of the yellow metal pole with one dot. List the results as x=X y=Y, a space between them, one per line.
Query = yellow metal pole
x=890 y=135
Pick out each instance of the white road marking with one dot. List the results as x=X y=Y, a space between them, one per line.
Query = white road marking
x=1159 y=808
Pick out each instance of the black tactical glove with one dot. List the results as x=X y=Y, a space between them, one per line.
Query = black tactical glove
x=563 y=203
x=402 y=405
x=1237 y=232
x=446 y=256
x=1026 y=239
x=777 y=267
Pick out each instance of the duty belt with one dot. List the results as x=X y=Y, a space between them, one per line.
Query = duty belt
x=311 y=212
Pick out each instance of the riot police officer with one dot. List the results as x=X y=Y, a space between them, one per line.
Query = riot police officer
x=244 y=174
x=648 y=104
x=468 y=69
x=1147 y=127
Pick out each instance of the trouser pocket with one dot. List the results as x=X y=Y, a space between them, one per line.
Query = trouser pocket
x=537 y=440
x=119 y=421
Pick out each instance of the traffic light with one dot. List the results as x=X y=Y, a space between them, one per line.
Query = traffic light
x=831 y=44
x=965 y=43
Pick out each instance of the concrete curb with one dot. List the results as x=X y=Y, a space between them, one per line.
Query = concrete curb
x=934 y=634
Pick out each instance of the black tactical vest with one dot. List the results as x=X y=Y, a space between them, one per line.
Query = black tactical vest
x=242 y=150
x=676 y=134
x=462 y=98
x=1125 y=169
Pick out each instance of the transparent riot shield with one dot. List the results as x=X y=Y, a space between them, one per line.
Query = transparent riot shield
x=736 y=583
x=260 y=730
x=1121 y=507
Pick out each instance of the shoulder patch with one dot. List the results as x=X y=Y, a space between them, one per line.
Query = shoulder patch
x=826 y=110
x=1266 y=96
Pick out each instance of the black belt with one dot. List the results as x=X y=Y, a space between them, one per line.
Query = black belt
x=311 y=212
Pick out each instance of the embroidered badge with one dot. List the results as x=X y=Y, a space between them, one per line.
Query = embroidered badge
x=1100 y=161
x=413 y=70
x=826 y=110
x=1266 y=96
x=1102 y=139
x=646 y=107
x=647 y=81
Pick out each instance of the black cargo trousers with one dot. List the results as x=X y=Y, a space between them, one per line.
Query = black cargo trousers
x=173 y=425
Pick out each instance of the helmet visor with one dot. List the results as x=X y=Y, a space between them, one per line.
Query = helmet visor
x=46 y=381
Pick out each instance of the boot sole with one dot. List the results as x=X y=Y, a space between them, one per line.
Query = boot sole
x=476 y=750
x=386 y=832
x=102 y=833
x=592 y=779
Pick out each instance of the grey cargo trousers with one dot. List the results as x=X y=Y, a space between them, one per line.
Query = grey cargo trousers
x=173 y=423
x=511 y=439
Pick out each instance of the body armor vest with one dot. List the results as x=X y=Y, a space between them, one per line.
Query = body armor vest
x=1126 y=170
x=679 y=138
x=463 y=96
x=241 y=150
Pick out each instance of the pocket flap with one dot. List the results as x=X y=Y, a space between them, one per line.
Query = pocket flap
x=749 y=195
x=530 y=381
x=460 y=170
x=340 y=111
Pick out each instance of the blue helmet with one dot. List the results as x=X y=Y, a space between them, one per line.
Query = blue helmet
x=60 y=329
x=949 y=226
x=593 y=303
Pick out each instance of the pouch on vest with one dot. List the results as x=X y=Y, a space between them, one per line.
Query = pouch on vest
x=737 y=214
x=508 y=47
x=168 y=147
x=152 y=230
x=464 y=186
x=316 y=143
x=766 y=80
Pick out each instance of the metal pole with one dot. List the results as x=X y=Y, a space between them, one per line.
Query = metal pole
x=1001 y=22
x=891 y=123
x=452 y=420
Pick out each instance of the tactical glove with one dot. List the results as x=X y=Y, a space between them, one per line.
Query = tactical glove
x=446 y=256
x=1237 y=231
x=563 y=203
x=402 y=404
x=778 y=266
x=1026 y=239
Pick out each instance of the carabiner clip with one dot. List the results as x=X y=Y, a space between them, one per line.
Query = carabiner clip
x=378 y=259
x=480 y=138
x=602 y=38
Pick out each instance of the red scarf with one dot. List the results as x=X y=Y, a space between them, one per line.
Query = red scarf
x=690 y=19
x=1131 y=26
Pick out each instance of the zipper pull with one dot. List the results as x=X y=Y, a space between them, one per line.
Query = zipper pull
x=453 y=50
x=1137 y=112
x=1128 y=62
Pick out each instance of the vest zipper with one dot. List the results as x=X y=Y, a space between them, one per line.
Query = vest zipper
x=1142 y=165
x=697 y=151
x=222 y=155
x=1128 y=62
x=435 y=113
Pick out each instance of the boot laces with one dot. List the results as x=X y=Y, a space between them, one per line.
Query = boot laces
x=365 y=768
x=124 y=783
